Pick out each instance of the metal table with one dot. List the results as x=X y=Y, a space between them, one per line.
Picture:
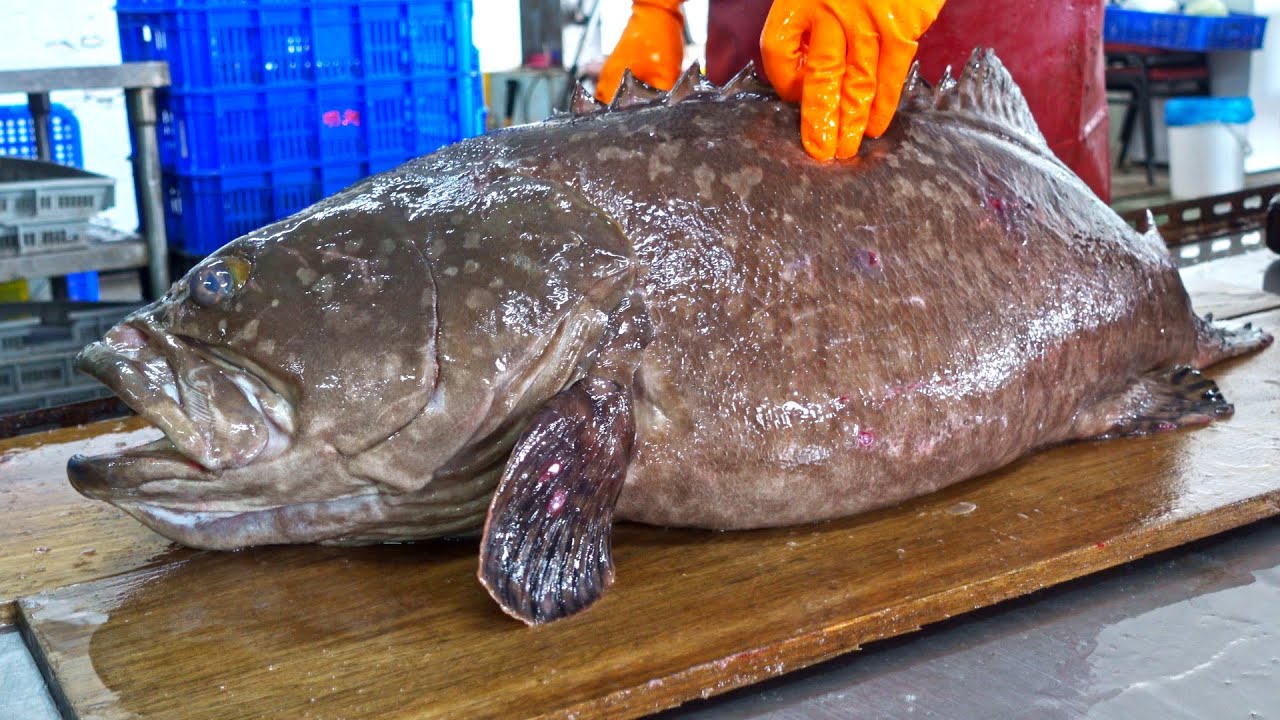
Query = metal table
x=139 y=81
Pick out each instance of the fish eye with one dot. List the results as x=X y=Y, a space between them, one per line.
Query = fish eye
x=218 y=280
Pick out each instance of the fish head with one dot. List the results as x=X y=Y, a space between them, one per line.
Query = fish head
x=267 y=365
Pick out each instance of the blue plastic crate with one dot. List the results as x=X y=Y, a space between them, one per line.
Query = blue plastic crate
x=1184 y=32
x=17 y=134
x=224 y=45
x=207 y=211
x=270 y=129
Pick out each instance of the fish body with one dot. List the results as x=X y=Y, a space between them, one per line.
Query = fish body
x=665 y=312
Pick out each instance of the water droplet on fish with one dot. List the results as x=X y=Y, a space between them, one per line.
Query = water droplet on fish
x=556 y=504
x=961 y=508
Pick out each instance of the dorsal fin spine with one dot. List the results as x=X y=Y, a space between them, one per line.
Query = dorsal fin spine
x=986 y=90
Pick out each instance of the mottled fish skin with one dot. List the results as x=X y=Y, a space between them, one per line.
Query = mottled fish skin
x=818 y=339
x=834 y=338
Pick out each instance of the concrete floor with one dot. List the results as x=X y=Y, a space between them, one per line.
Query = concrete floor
x=23 y=695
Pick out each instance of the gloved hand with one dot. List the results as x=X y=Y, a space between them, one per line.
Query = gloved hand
x=845 y=61
x=652 y=45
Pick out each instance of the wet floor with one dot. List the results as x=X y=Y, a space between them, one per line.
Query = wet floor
x=22 y=691
x=1192 y=633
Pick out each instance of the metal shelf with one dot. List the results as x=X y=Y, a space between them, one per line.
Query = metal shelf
x=108 y=250
x=139 y=81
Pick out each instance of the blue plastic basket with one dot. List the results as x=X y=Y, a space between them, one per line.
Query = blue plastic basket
x=224 y=45
x=1184 y=32
x=207 y=211
x=17 y=139
x=17 y=134
x=320 y=124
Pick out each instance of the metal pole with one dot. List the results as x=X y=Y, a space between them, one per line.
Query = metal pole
x=38 y=104
x=141 y=106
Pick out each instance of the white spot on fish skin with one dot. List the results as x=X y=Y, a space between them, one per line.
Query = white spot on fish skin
x=961 y=508
x=250 y=330
x=916 y=301
x=275 y=302
x=450 y=271
x=306 y=276
x=744 y=181
x=615 y=153
x=267 y=346
x=657 y=167
x=669 y=151
x=495 y=283
x=478 y=298
x=704 y=177
x=470 y=266
x=471 y=240
x=222 y=326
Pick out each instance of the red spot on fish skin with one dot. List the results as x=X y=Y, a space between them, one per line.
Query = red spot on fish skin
x=866 y=438
x=1101 y=545
x=1166 y=427
x=556 y=503
x=549 y=472
x=867 y=260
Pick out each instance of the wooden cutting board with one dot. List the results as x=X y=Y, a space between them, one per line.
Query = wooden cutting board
x=406 y=631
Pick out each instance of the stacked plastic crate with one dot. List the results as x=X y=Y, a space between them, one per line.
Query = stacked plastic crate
x=276 y=104
x=18 y=140
x=38 y=347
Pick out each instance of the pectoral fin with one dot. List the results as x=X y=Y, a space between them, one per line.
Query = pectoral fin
x=1159 y=401
x=546 y=549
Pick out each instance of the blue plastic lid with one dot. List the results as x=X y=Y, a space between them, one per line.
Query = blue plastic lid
x=1201 y=110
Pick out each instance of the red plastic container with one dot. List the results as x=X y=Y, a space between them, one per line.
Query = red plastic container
x=1053 y=48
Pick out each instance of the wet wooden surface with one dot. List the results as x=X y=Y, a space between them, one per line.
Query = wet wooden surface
x=49 y=535
x=406 y=631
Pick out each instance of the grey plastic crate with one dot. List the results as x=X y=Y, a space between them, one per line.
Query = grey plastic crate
x=36 y=191
x=42 y=237
x=43 y=372
x=16 y=335
x=37 y=329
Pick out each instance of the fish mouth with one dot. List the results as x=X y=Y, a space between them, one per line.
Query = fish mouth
x=174 y=496
x=216 y=414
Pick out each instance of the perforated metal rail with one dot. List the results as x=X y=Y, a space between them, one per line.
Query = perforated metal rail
x=1189 y=221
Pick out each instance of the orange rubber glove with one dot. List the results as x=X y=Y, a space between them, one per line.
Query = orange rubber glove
x=845 y=62
x=652 y=45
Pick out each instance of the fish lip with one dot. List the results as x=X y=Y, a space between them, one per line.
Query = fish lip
x=136 y=361
x=118 y=476
x=235 y=529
